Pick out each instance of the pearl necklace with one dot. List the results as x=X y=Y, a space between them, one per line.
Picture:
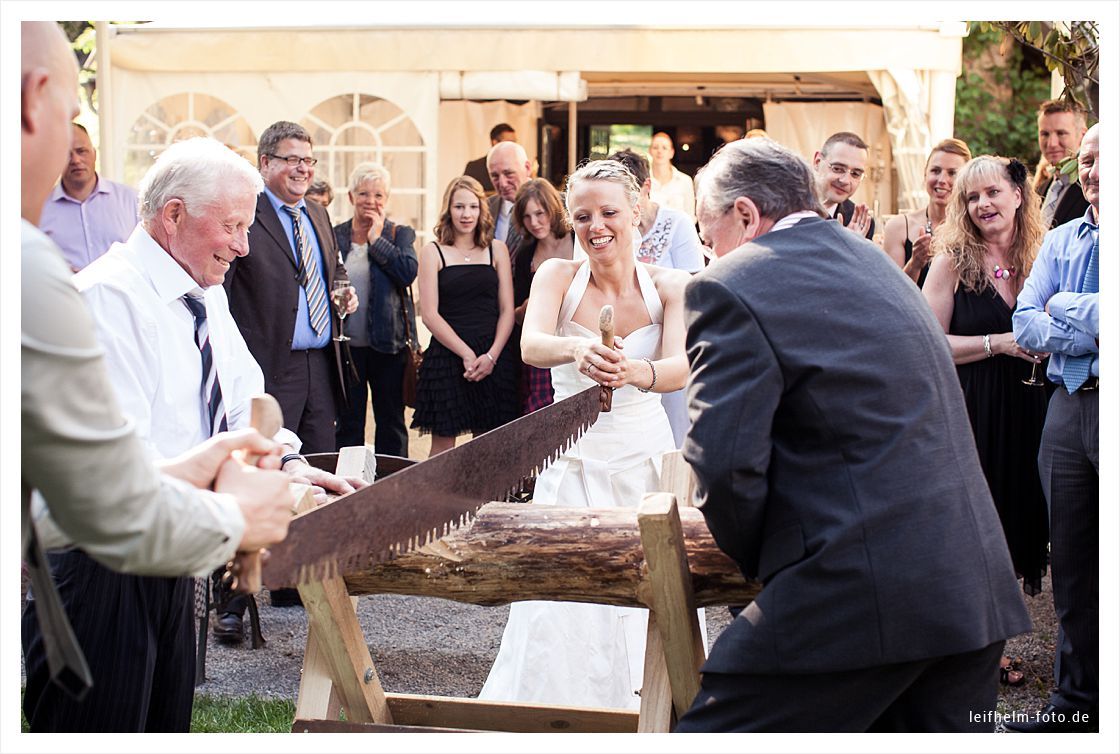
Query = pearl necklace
x=1003 y=273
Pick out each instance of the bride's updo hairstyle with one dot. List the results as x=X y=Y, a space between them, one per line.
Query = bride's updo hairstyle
x=603 y=170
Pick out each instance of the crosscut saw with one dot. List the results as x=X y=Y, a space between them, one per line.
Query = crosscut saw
x=425 y=501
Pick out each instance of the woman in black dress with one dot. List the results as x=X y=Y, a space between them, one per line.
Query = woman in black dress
x=983 y=254
x=907 y=237
x=466 y=301
x=538 y=213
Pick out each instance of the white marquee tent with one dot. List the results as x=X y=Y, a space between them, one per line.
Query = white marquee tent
x=410 y=97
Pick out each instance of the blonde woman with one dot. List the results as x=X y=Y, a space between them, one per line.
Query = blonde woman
x=983 y=254
x=907 y=238
x=579 y=654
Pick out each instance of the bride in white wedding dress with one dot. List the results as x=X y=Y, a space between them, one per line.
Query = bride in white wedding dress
x=572 y=653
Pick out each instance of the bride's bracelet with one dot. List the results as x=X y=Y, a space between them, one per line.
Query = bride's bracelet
x=653 y=382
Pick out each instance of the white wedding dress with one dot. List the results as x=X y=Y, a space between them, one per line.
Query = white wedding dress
x=570 y=653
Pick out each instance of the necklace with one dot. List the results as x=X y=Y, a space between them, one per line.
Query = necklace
x=1003 y=273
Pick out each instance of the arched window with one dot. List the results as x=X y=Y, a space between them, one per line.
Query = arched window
x=352 y=128
x=178 y=117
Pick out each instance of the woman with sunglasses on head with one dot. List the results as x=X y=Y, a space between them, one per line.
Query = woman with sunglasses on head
x=583 y=654
x=982 y=256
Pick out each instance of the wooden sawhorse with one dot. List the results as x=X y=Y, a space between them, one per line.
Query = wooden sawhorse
x=339 y=674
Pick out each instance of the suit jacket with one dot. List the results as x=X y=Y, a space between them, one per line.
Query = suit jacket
x=263 y=290
x=1071 y=206
x=392 y=268
x=477 y=169
x=846 y=209
x=515 y=236
x=836 y=462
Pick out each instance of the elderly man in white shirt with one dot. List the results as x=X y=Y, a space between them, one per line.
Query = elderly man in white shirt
x=140 y=295
x=99 y=491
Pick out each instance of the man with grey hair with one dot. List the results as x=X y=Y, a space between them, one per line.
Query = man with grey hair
x=509 y=167
x=95 y=489
x=182 y=371
x=177 y=258
x=819 y=375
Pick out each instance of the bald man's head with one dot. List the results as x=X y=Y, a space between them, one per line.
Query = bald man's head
x=508 y=166
x=49 y=102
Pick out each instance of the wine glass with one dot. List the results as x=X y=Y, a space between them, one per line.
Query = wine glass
x=1034 y=381
x=340 y=295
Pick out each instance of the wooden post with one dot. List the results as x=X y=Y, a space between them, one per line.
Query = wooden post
x=319 y=698
x=672 y=603
x=677 y=478
x=331 y=616
x=656 y=712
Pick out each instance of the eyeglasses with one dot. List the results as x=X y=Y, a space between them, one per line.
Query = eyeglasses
x=294 y=161
x=839 y=168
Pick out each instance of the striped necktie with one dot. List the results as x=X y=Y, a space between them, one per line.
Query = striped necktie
x=1053 y=196
x=312 y=280
x=1075 y=370
x=211 y=388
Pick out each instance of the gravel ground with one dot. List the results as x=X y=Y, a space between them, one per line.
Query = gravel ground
x=432 y=646
x=420 y=645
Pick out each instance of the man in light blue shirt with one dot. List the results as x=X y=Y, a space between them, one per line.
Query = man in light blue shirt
x=1058 y=313
x=86 y=214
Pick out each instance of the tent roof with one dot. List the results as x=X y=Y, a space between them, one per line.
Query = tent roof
x=597 y=52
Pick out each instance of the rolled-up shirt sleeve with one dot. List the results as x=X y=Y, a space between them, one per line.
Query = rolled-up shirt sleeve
x=1078 y=310
x=1037 y=330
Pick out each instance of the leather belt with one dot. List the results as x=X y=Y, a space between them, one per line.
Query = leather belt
x=1092 y=383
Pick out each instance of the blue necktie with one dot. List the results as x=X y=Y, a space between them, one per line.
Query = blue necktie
x=211 y=388
x=1075 y=370
x=312 y=280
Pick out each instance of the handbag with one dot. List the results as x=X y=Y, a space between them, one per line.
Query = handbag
x=415 y=355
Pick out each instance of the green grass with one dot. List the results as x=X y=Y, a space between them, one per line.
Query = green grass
x=250 y=714
x=218 y=714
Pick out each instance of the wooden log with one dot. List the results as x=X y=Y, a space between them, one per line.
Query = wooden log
x=545 y=552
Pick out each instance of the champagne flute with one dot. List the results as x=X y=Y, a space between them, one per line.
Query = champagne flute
x=1034 y=381
x=340 y=295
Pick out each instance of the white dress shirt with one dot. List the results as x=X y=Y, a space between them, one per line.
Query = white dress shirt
x=99 y=489
x=502 y=221
x=134 y=292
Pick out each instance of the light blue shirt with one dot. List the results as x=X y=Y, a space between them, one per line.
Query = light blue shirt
x=1072 y=326
x=85 y=230
x=304 y=336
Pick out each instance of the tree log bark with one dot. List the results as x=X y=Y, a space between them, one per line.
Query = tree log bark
x=518 y=551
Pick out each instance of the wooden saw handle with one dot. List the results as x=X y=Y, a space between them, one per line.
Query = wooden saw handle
x=265 y=417
x=606 y=329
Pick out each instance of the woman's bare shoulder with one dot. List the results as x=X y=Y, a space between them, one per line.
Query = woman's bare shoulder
x=669 y=282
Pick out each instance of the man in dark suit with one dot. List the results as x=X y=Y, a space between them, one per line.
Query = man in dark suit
x=477 y=168
x=509 y=167
x=280 y=296
x=838 y=170
x=1061 y=127
x=836 y=465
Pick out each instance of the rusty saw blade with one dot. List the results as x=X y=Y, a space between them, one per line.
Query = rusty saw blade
x=425 y=501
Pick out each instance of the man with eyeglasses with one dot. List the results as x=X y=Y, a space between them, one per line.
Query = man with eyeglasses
x=280 y=297
x=838 y=170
